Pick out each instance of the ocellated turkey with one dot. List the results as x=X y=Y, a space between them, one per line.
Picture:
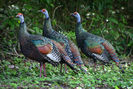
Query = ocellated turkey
x=92 y=45
x=40 y=48
x=69 y=46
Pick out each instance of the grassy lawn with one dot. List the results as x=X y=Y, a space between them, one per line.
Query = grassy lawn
x=19 y=74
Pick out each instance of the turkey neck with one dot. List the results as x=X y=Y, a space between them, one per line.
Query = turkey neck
x=23 y=31
x=47 y=26
x=79 y=29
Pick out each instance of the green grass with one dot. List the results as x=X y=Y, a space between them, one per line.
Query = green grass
x=23 y=77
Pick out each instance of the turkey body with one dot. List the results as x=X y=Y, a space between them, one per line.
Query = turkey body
x=94 y=46
x=30 y=44
x=42 y=49
x=70 y=48
x=68 y=45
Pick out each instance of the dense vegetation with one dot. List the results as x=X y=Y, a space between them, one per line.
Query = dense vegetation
x=111 y=19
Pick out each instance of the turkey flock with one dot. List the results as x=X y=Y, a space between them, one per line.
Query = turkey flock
x=55 y=48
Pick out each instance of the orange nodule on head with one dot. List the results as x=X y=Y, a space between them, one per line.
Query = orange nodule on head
x=43 y=10
x=75 y=13
x=19 y=14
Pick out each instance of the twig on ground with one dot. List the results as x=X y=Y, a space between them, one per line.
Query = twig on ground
x=15 y=51
x=9 y=53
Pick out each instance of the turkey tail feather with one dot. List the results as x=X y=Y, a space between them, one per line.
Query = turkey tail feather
x=69 y=62
x=111 y=51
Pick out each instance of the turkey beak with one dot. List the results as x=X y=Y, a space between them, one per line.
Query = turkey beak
x=17 y=16
x=71 y=14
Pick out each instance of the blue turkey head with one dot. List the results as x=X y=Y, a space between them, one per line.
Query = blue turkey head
x=76 y=15
x=20 y=16
x=45 y=12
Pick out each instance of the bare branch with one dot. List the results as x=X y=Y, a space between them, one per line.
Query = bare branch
x=9 y=53
x=55 y=10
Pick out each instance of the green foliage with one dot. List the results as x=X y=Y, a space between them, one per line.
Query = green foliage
x=24 y=76
x=107 y=18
